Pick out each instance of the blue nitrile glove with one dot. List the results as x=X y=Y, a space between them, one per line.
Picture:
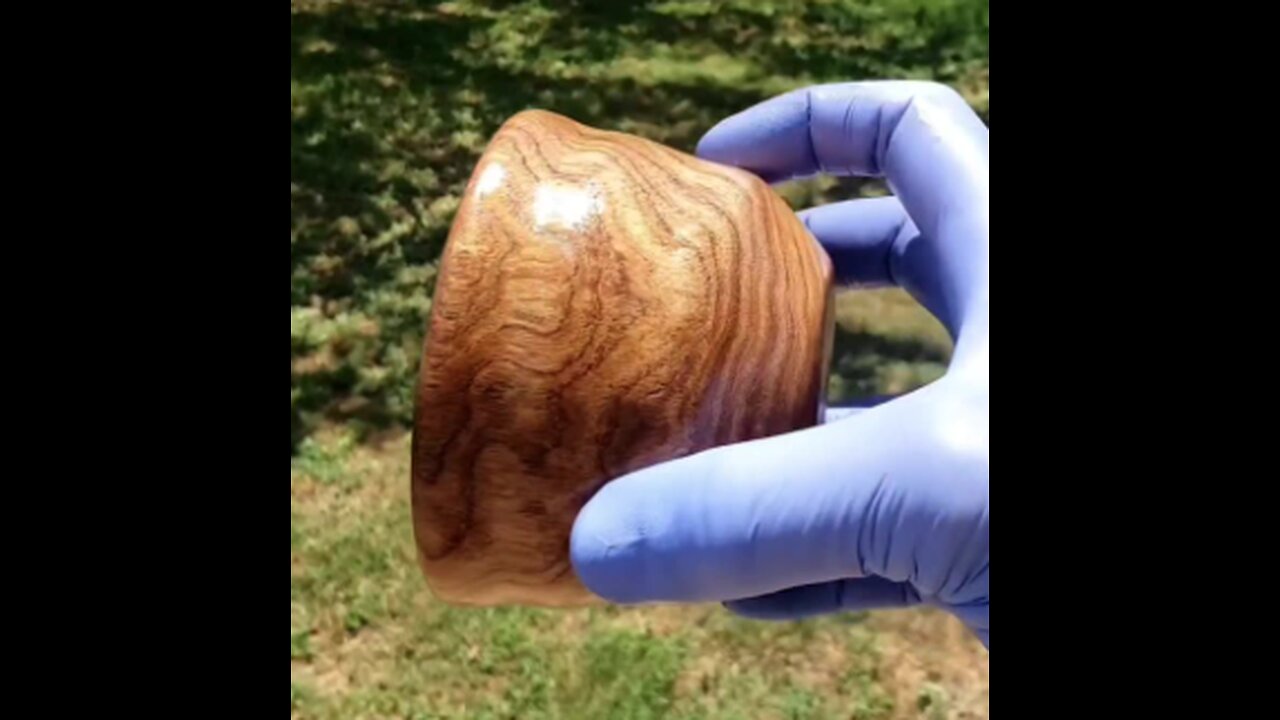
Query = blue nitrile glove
x=889 y=507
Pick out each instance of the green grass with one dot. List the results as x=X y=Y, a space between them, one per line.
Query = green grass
x=885 y=345
x=934 y=703
x=631 y=675
x=325 y=462
x=864 y=683
x=300 y=698
x=367 y=640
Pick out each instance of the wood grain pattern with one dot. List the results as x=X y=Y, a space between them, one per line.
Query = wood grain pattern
x=605 y=303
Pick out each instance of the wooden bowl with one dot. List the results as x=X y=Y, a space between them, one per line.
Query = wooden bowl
x=604 y=304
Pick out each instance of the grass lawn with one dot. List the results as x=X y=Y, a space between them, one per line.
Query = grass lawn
x=367 y=640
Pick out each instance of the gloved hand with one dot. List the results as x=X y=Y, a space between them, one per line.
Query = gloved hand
x=889 y=507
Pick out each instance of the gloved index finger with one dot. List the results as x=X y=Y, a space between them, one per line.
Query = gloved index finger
x=922 y=137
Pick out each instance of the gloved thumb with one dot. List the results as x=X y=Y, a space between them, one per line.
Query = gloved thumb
x=825 y=504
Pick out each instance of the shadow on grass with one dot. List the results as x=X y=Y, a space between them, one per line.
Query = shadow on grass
x=867 y=369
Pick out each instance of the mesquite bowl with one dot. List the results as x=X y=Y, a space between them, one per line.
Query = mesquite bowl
x=604 y=304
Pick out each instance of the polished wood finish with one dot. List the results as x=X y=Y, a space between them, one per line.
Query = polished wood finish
x=605 y=303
